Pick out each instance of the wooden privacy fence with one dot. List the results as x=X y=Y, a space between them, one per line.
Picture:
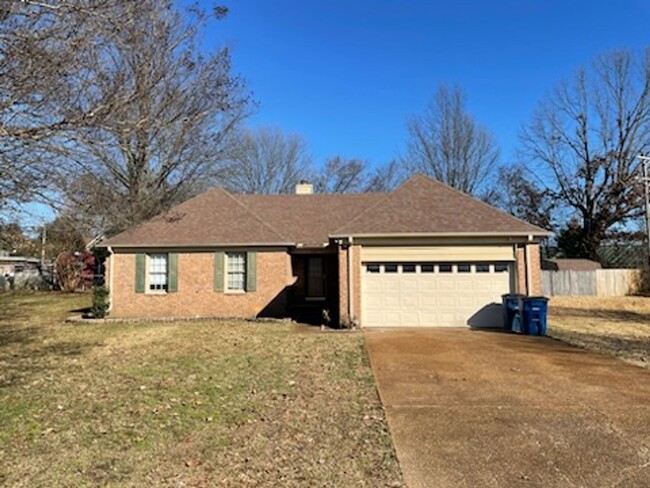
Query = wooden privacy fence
x=600 y=282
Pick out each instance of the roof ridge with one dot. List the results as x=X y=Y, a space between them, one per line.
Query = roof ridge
x=477 y=200
x=387 y=195
x=252 y=213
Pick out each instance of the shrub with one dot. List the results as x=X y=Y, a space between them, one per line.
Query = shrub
x=99 y=307
x=642 y=283
x=68 y=271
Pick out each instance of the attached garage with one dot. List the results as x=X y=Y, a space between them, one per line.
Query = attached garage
x=435 y=286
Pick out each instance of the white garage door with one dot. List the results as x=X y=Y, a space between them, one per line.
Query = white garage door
x=433 y=294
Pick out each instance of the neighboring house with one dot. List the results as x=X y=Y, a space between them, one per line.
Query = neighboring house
x=422 y=255
x=91 y=242
x=19 y=272
x=570 y=264
x=10 y=265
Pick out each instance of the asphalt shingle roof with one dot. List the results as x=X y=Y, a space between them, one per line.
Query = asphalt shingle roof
x=421 y=205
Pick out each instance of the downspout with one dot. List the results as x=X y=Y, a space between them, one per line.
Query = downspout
x=110 y=277
x=350 y=283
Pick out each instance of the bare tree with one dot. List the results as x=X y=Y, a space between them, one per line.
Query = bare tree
x=39 y=43
x=523 y=197
x=125 y=116
x=340 y=175
x=445 y=142
x=265 y=160
x=585 y=137
x=162 y=114
x=386 y=178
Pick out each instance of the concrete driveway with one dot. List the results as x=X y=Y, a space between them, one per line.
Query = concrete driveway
x=482 y=409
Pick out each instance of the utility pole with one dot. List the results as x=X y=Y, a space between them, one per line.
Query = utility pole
x=43 y=241
x=645 y=163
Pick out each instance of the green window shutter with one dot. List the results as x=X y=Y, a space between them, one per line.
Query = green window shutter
x=251 y=271
x=172 y=272
x=140 y=271
x=218 y=270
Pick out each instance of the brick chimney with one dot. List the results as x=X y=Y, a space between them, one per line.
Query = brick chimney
x=304 y=188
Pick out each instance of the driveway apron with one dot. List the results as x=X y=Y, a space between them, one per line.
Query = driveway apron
x=470 y=408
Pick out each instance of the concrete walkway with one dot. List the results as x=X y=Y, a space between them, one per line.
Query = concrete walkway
x=486 y=409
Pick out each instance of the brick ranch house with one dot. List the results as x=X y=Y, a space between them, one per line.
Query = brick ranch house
x=422 y=255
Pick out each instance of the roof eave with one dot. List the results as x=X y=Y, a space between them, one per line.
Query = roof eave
x=534 y=233
x=196 y=245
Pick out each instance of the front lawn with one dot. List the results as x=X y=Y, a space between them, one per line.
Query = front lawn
x=184 y=404
x=618 y=326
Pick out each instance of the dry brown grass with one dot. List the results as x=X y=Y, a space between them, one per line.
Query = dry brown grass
x=618 y=326
x=184 y=403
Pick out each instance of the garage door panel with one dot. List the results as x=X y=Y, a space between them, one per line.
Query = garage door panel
x=410 y=286
x=445 y=285
x=389 y=302
x=410 y=318
x=392 y=318
x=391 y=284
x=482 y=285
x=409 y=300
x=432 y=299
x=428 y=286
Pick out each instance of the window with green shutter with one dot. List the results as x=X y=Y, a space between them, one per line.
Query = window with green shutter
x=158 y=273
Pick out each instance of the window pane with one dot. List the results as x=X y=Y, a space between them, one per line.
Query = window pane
x=236 y=262
x=408 y=268
x=236 y=266
x=158 y=272
x=235 y=281
x=372 y=268
x=390 y=268
x=464 y=268
x=444 y=268
x=500 y=268
x=482 y=268
x=426 y=268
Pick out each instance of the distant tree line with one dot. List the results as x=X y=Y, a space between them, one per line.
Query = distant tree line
x=111 y=113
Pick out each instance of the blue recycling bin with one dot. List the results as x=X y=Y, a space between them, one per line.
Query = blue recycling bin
x=534 y=311
x=510 y=304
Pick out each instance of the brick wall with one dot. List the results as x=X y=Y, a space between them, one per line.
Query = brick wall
x=196 y=295
x=535 y=269
x=343 y=285
x=355 y=251
x=356 y=282
x=535 y=280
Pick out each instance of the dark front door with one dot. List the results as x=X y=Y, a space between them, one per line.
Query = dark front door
x=316 y=278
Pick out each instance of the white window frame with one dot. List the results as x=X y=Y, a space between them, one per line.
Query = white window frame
x=228 y=272
x=149 y=263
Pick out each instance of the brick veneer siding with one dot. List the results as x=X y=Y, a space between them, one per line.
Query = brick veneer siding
x=356 y=282
x=355 y=251
x=535 y=269
x=343 y=285
x=196 y=295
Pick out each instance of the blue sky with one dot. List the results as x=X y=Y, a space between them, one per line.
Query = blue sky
x=346 y=74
